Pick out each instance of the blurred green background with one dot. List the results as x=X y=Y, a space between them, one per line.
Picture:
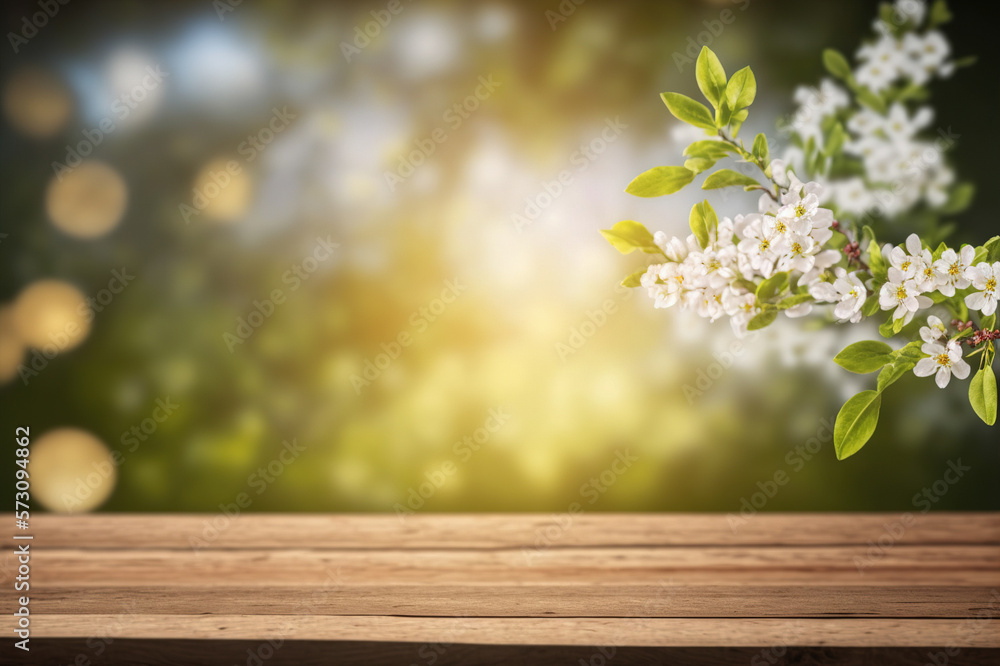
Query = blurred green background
x=517 y=384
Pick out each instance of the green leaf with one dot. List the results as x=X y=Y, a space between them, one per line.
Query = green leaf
x=939 y=14
x=659 y=181
x=959 y=199
x=741 y=90
x=836 y=64
x=760 y=151
x=629 y=235
x=894 y=371
x=703 y=221
x=835 y=140
x=871 y=305
x=885 y=328
x=876 y=262
x=690 y=111
x=772 y=286
x=871 y=100
x=709 y=148
x=987 y=323
x=711 y=76
x=855 y=423
x=699 y=164
x=792 y=301
x=633 y=278
x=727 y=178
x=991 y=250
x=983 y=395
x=737 y=121
x=762 y=320
x=864 y=357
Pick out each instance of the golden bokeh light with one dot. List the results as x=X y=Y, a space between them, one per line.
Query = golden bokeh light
x=52 y=314
x=222 y=190
x=71 y=471
x=87 y=201
x=37 y=103
x=11 y=346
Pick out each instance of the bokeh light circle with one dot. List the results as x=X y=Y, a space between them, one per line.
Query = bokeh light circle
x=222 y=190
x=52 y=313
x=71 y=471
x=11 y=345
x=36 y=103
x=87 y=201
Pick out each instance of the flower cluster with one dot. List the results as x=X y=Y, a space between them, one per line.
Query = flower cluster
x=808 y=244
x=898 y=168
x=786 y=236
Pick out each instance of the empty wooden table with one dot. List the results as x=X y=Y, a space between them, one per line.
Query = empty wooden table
x=499 y=588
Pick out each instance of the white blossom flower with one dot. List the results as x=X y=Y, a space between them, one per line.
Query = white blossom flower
x=761 y=248
x=741 y=308
x=934 y=330
x=951 y=268
x=848 y=291
x=928 y=55
x=984 y=279
x=882 y=62
x=900 y=127
x=901 y=293
x=913 y=10
x=908 y=262
x=942 y=362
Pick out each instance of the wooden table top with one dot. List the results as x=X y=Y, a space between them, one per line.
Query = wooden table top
x=850 y=580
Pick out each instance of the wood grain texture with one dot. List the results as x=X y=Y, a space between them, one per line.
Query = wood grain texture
x=436 y=531
x=609 y=579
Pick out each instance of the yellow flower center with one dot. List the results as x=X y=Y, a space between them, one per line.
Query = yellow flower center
x=943 y=360
x=780 y=227
x=955 y=268
x=796 y=248
x=906 y=265
x=800 y=210
x=764 y=244
x=991 y=284
x=900 y=292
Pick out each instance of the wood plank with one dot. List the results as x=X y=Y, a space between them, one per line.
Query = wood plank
x=293 y=566
x=528 y=600
x=710 y=632
x=436 y=531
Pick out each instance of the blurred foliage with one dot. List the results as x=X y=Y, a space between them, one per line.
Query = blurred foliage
x=509 y=340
